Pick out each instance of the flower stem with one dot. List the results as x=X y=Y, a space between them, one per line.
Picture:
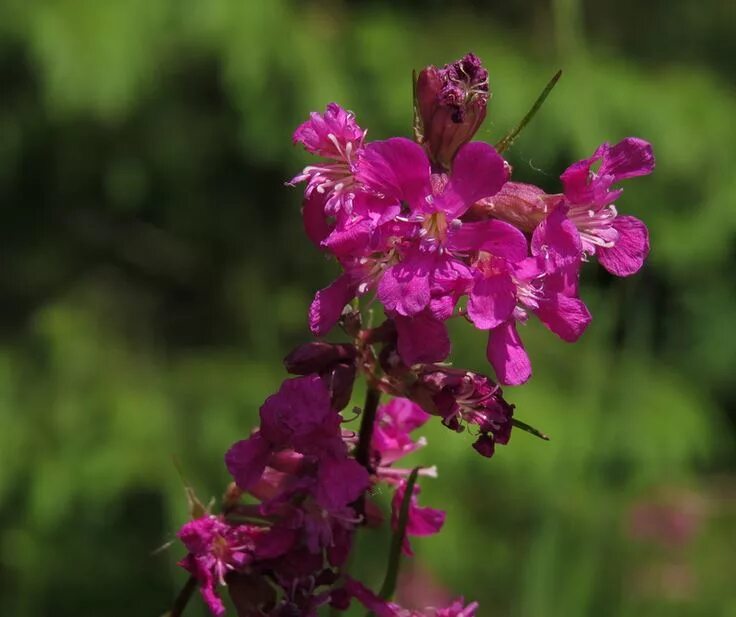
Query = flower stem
x=365 y=436
x=183 y=598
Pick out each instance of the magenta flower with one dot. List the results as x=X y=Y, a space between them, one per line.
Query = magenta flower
x=394 y=423
x=466 y=399
x=384 y=608
x=217 y=548
x=620 y=242
x=427 y=273
x=452 y=105
x=422 y=521
x=299 y=416
x=335 y=136
x=545 y=284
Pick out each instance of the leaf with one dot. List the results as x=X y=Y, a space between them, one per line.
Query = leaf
x=394 y=556
x=529 y=429
x=510 y=137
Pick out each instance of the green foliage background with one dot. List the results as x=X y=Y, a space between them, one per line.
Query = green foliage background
x=154 y=273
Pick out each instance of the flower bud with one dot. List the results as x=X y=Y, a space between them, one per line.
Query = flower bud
x=463 y=398
x=318 y=357
x=522 y=205
x=340 y=384
x=451 y=104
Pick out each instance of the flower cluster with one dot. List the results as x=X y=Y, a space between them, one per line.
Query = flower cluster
x=309 y=495
x=426 y=226
x=433 y=229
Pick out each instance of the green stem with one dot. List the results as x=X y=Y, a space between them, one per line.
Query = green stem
x=368 y=420
x=397 y=540
x=509 y=139
x=183 y=598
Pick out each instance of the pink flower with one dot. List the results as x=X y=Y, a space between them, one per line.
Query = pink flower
x=335 y=136
x=463 y=399
x=299 y=416
x=422 y=521
x=217 y=548
x=427 y=272
x=384 y=608
x=452 y=105
x=545 y=284
x=620 y=242
x=394 y=421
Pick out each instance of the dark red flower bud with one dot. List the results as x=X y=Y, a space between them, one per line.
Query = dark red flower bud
x=340 y=384
x=318 y=357
x=451 y=104
x=462 y=398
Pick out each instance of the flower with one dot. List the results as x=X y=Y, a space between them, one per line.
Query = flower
x=545 y=284
x=465 y=398
x=217 y=548
x=394 y=421
x=384 y=608
x=300 y=417
x=451 y=102
x=335 y=136
x=620 y=242
x=422 y=521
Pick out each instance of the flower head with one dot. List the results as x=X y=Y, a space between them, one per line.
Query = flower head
x=451 y=102
x=464 y=399
x=621 y=243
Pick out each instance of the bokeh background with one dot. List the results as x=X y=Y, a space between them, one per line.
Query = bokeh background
x=153 y=273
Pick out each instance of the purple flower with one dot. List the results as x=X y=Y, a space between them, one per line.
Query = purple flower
x=463 y=399
x=422 y=521
x=545 y=284
x=335 y=136
x=384 y=608
x=427 y=272
x=217 y=548
x=394 y=423
x=452 y=105
x=300 y=417
x=620 y=242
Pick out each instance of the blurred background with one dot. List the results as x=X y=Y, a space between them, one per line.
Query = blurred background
x=154 y=273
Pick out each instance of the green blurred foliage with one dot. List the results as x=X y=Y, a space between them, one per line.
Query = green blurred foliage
x=155 y=272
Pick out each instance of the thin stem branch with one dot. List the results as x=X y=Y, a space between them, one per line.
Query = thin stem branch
x=365 y=436
x=183 y=598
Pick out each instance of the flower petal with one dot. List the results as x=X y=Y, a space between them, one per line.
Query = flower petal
x=557 y=233
x=405 y=287
x=478 y=171
x=350 y=236
x=313 y=217
x=491 y=235
x=396 y=168
x=247 y=459
x=627 y=256
x=629 y=158
x=491 y=301
x=422 y=521
x=566 y=316
x=328 y=303
x=507 y=355
x=421 y=339
x=340 y=482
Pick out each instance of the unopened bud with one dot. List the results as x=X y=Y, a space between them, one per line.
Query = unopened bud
x=318 y=357
x=340 y=383
x=522 y=205
x=451 y=104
